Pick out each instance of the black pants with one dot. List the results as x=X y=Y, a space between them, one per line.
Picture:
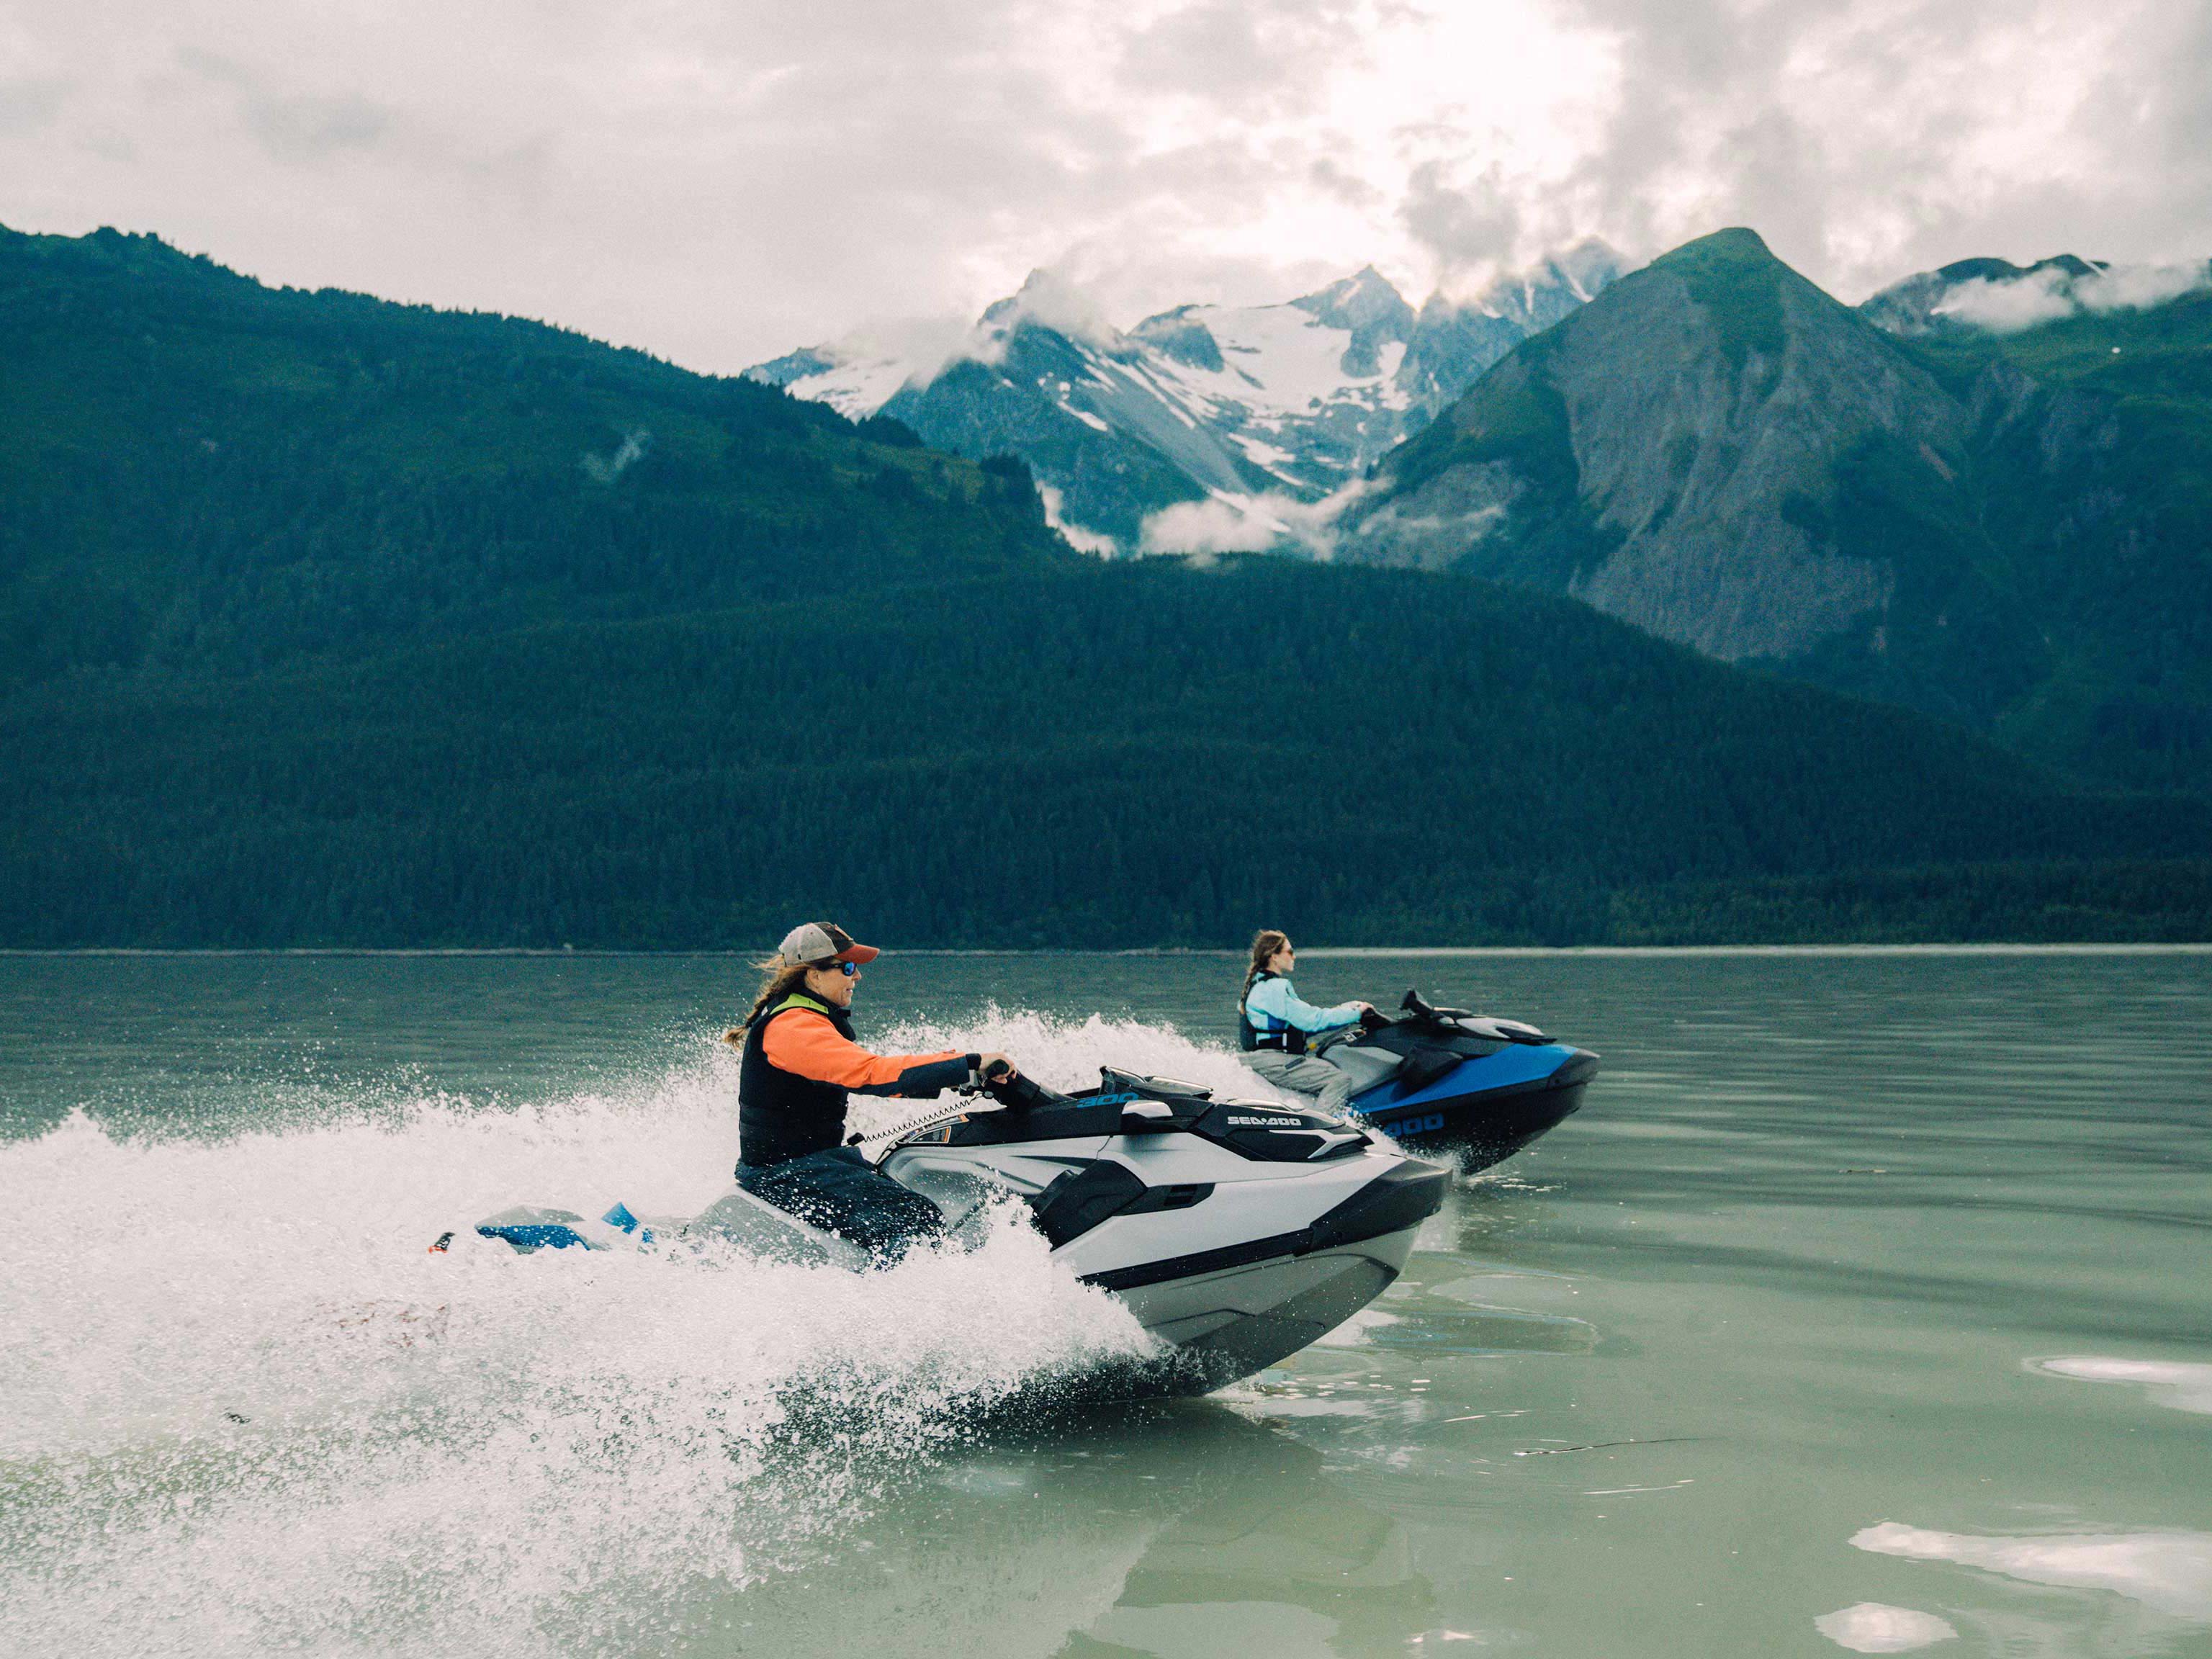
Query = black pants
x=841 y=1192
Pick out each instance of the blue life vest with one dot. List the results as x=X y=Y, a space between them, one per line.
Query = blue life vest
x=1268 y=1032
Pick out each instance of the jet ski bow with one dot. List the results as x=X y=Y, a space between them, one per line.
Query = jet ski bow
x=1469 y=1086
x=1236 y=1231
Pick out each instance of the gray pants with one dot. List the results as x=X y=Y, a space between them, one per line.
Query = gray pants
x=1303 y=1075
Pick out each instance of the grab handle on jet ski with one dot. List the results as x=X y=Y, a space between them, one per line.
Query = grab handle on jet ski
x=1148 y=1117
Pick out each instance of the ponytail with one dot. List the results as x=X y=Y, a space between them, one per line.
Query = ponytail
x=1265 y=944
x=779 y=980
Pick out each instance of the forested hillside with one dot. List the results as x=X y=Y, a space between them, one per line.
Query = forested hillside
x=204 y=476
x=341 y=622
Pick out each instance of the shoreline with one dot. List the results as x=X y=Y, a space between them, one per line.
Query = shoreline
x=1346 y=951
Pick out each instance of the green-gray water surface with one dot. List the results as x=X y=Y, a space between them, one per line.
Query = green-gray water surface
x=1866 y=1306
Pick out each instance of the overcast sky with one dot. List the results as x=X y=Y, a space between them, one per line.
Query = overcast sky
x=718 y=182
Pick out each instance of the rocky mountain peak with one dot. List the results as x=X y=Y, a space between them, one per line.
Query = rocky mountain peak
x=1669 y=453
x=1048 y=300
x=1365 y=302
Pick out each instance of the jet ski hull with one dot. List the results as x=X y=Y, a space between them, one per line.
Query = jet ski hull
x=1486 y=1108
x=1227 y=1324
x=1229 y=1312
x=1220 y=1313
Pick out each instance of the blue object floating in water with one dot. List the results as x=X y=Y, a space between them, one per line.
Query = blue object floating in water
x=529 y=1228
x=536 y=1236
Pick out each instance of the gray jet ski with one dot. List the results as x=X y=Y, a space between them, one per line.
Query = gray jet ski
x=1236 y=1231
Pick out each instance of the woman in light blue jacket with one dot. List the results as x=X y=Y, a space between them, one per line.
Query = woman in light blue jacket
x=1274 y=1026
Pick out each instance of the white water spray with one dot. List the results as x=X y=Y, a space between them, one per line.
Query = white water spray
x=249 y=1411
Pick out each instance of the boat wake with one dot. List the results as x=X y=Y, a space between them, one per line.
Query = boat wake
x=249 y=1411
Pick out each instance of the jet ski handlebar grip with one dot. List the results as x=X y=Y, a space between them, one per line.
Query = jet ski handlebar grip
x=1017 y=1093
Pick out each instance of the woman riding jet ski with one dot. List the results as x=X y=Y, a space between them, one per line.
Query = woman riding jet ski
x=1275 y=1026
x=1235 y=1231
x=1437 y=1079
x=800 y=1061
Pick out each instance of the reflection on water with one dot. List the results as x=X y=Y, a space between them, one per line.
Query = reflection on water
x=2185 y=1387
x=1872 y=1627
x=2169 y=1572
x=1287 y=1562
x=2166 y=1572
x=1174 y=1531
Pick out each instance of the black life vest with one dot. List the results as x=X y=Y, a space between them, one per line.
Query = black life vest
x=1250 y=1037
x=780 y=1114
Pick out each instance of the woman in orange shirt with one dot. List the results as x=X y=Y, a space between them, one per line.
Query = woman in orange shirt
x=801 y=1062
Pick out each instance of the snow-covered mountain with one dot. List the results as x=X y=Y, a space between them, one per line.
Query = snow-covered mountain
x=1250 y=412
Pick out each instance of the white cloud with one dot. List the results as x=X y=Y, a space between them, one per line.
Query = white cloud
x=1218 y=525
x=1082 y=540
x=719 y=180
x=2127 y=287
x=2006 y=306
x=606 y=469
x=1250 y=524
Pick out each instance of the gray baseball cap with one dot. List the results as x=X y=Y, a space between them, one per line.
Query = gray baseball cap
x=816 y=944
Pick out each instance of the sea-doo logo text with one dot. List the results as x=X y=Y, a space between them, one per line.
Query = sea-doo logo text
x=1263 y=1123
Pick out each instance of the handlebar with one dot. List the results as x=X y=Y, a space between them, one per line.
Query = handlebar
x=1012 y=1090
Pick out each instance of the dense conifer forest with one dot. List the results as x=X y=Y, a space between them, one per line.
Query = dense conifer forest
x=329 y=622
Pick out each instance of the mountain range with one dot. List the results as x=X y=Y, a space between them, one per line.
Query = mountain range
x=1259 y=409
x=328 y=620
x=2005 y=524
x=1980 y=494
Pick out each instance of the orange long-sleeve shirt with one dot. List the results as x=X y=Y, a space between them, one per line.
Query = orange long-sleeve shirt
x=804 y=1043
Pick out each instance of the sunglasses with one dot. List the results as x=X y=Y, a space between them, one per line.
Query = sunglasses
x=850 y=969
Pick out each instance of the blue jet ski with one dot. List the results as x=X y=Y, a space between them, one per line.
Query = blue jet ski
x=1445 y=1080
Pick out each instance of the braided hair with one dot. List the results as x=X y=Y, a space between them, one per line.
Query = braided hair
x=1266 y=944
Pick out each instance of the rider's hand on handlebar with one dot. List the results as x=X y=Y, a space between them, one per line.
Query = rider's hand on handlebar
x=995 y=1068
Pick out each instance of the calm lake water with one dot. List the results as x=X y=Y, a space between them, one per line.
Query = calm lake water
x=1866 y=1307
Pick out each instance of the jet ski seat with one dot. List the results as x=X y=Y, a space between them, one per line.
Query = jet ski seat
x=841 y=1192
